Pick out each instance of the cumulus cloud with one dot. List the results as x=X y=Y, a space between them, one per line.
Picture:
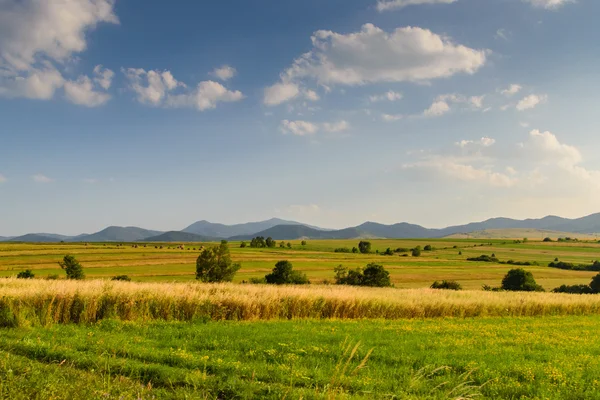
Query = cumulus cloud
x=388 y=5
x=389 y=96
x=531 y=101
x=484 y=142
x=299 y=128
x=372 y=55
x=103 y=77
x=511 y=90
x=40 y=178
x=334 y=127
x=158 y=88
x=443 y=104
x=455 y=169
x=224 y=73
x=549 y=4
x=437 y=109
x=82 y=92
x=391 y=117
x=36 y=36
x=311 y=95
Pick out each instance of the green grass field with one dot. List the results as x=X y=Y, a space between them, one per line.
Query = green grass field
x=513 y=358
x=317 y=259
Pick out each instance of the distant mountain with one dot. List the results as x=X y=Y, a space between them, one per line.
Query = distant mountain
x=118 y=234
x=293 y=232
x=34 y=238
x=176 y=236
x=206 y=228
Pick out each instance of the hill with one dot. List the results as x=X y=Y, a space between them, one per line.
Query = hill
x=34 y=238
x=210 y=229
x=519 y=233
x=293 y=232
x=118 y=234
x=177 y=236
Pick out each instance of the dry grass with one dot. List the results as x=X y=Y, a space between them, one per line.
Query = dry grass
x=38 y=302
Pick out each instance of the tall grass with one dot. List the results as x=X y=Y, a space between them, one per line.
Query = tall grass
x=42 y=302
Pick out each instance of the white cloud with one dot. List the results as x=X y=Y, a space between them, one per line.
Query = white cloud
x=389 y=96
x=409 y=54
x=35 y=35
x=280 y=93
x=437 y=109
x=2 y=178
x=311 y=95
x=387 y=5
x=484 y=142
x=224 y=73
x=40 y=178
x=511 y=90
x=339 y=126
x=531 y=101
x=103 y=77
x=546 y=147
x=391 y=117
x=549 y=4
x=82 y=92
x=158 y=88
x=299 y=128
x=476 y=101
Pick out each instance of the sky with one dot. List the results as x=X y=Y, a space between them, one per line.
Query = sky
x=330 y=112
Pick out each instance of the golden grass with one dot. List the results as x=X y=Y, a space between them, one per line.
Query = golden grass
x=39 y=302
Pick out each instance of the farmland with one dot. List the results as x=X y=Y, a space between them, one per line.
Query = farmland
x=317 y=259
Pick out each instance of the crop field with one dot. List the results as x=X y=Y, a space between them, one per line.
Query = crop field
x=165 y=336
x=317 y=259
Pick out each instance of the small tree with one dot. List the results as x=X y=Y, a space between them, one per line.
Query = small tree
x=243 y=245
x=428 y=248
x=595 y=284
x=364 y=247
x=375 y=275
x=521 y=281
x=416 y=252
x=214 y=264
x=282 y=245
x=284 y=274
x=448 y=285
x=73 y=269
x=289 y=245
x=27 y=274
x=354 y=250
x=270 y=242
x=303 y=243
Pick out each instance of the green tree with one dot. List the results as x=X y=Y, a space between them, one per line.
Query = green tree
x=521 y=281
x=27 y=274
x=258 y=242
x=428 y=248
x=282 y=245
x=355 y=250
x=270 y=242
x=416 y=252
x=214 y=264
x=243 y=245
x=595 y=284
x=364 y=247
x=289 y=245
x=303 y=243
x=123 y=278
x=375 y=275
x=73 y=269
x=284 y=274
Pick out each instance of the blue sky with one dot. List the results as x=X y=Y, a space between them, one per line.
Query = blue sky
x=332 y=112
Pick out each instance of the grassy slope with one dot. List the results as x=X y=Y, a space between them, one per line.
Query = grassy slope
x=317 y=259
x=550 y=358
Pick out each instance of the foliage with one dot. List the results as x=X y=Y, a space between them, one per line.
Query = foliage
x=214 y=264
x=388 y=252
x=574 y=289
x=364 y=247
x=72 y=268
x=258 y=242
x=520 y=280
x=284 y=274
x=449 y=285
x=303 y=243
x=484 y=258
x=289 y=245
x=342 y=250
x=27 y=274
x=243 y=245
x=270 y=242
x=547 y=239
x=373 y=275
x=427 y=248
x=595 y=266
x=595 y=284
x=354 y=250
x=416 y=252
x=124 y=278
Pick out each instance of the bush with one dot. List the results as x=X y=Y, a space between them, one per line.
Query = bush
x=519 y=280
x=303 y=243
x=258 y=281
x=484 y=258
x=373 y=275
x=73 y=269
x=428 y=248
x=402 y=250
x=243 y=245
x=354 y=250
x=27 y=274
x=448 y=285
x=214 y=264
x=595 y=284
x=575 y=267
x=270 y=242
x=416 y=252
x=283 y=274
x=388 y=252
x=364 y=247
x=547 y=239
x=342 y=250
x=52 y=277
x=574 y=289
x=124 y=278
x=289 y=245
x=258 y=242
x=282 y=245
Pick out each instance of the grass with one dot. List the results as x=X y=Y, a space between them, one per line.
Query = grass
x=317 y=259
x=508 y=358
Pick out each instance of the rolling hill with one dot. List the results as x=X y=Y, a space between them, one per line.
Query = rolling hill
x=177 y=236
x=118 y=234
x=210 y=229
x=34 y=238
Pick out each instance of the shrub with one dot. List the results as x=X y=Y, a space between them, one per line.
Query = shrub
x=124 y=278
x=270 y=242
x=342 y=250
x=364 y=247
x=73 y=269
x=303 y=243
x=448 y=285
x=282 y=245
x=27 y=274
x=284 y=274
x=402 y=250
x=373 y=275
x=595 y=284
x=520 y=263
x=520 y=280
x=416 y=252
x=243 y=245
x=354 y=250
x=258 y=281
x=258 y=242
x=484 y=258
x=289 y=245
x=388 y=252
x=52 y=277
x=547 y=239
x=428 y=248
x=574 y=289
x=214 y=264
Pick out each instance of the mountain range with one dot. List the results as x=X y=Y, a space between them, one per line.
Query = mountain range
x=203 y=231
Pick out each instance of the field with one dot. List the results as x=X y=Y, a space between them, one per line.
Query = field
x=317 y=259
x=164 y=336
